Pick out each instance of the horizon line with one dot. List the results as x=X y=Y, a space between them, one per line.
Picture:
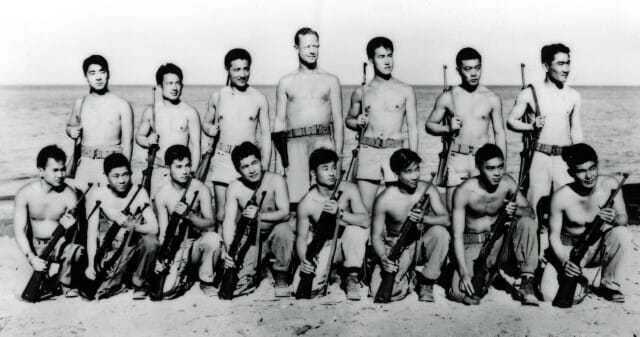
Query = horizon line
x=275 y=84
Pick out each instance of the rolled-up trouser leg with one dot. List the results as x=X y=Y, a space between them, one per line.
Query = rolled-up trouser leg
x=144 y=258
x=353 y=245
x=524 y=245
x=69 y=261
x=280 y=242
x=435 y=246
x=609 y=253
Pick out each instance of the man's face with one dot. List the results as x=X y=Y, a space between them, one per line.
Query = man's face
x=492 y=170
x=97 y=77
x=586 y=173
x=54 y=172
x=410 y=176
x=171 y=86
x=120 y=179
x=560 y=67
x=251 y=169
x=180 y=170
x=239 y=72
x=308 y=48
x=383 y=60
x=470 y=71
x=327 y=174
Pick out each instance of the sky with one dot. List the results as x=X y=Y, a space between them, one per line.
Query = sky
x=44 y=42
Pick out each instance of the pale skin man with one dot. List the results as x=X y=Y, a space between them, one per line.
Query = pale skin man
x=206 y=243
x=103 y=120
x=114 y=197
x=236 y=113
x=351 y=216
x=392 y=208
x=559 y=123
x=475 y=114
x=573 y=208
x=171 y=121
x=276 y=234
x=41 y=206
x=389 y=104
x=477 y=204
x=309 y=110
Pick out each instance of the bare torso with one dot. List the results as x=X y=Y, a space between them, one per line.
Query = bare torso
x=474 y=108
x=308 y=98
x=238 y=114
x=172 y=125
x=578 y=211
x=397 y=205
x=482 y=207
x=100 y=118
x=556 y=105
x=45 y=208
x=385 y=103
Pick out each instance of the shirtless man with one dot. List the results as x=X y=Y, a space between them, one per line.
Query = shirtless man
x=235 y=114
x=309 y=109
x=276 y=234
x=41 y=207
x=103 y=120
x=172 y=122
x=206 y=242
x=392 y=208
x=473 y=106
x=559 y=123
x=352 y=217
x=573 y=207
x=114 y=197
x=388 y=103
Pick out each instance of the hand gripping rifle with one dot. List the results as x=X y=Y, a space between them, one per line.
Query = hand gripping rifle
x=529 y=138
x=447 y=139
x=38 y=283
x=567 y=285
x=152 y=149
x=362 y=129
x=72 y=166
x=246 y=228
x=408 y=234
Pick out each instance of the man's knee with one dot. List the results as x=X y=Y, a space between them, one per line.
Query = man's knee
x=210 y=241
x=283 y=234
x=437 y=234
x=618 y=237
x=527 y=225
x=150 y=243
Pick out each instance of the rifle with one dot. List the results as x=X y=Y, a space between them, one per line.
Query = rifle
x=408 y=234
x=72 y=166
x=205 y=162
x=230 y=279
x=567 y=285
x=529 y=138
x=151 y=150
x=38 y=283
x=447 y=139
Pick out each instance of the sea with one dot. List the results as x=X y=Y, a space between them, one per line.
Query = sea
x=34 y=116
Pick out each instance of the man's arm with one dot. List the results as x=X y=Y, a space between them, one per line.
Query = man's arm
x=336 y=114
x=555 y=227
x=441 y=215
x=73 y=123
x=210 y=121
x=357 y=214
x=514 y=121
x=194 y=136
x=412 y=119
x=230 y=216
x=576 y=122
x=498 y=124
x=280 y=123
x=20 y=216
x=302 y=230
x=458 y=224
x=621 y=219
x=434 y=125
x=281 y=213
x=92 y=230
x=378 y=226
x=163 y=215
x=265 y=132
x=207 y=218
x=354 y=110
x=126 y=132
x=150 y=225
x=144 y=129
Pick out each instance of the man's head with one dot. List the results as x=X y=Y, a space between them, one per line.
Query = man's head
x=237 y=62
x=51 y=165
x=307 y=43
x=323 y=165
x=406 y=165
x=557 y=61
x=490 y=163
x=169 y=78
x=582 y=163
x=246 y=158
x=469 y=66
x=178 y=159
x=96 y=71
x=118 y=171
x=380 y=52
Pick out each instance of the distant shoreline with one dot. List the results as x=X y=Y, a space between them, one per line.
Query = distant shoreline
x=35 y=86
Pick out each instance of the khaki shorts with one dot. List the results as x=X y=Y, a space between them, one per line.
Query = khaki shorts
x=298 y=174
x=373 y=164
x=460 y=167
x=222 y=170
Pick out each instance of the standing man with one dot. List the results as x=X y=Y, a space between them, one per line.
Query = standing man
x=102 y=119
x=276 y=233
x=388 y=103
x=477 y=203
x=42 y=206
x=392 y=208
x=573 y=208
x=235 y=114
x=171 y=121
x=475 y=113
x=309 y=110
x=558 y=124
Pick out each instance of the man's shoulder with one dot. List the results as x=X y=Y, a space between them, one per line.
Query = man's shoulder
x=256 y=94
x=274 y=177
x=349 y=187
x=609 y=182
x=562 y=194
x=488 y=93
x=27 y=190
x=118 y=100
x=573 y=93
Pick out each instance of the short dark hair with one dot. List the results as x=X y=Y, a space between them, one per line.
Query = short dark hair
x=50 y=151
x=402 y=159
x=242 y=151
x=176 y=152
x=95 y=59
x=236 y=54
x=115 y=160
x=578 y=154
x=548 y=52
x=304 y=31
x=322 y=156
x=168 y=68
x=467 y=53
x=487 y=152
x=377 y=42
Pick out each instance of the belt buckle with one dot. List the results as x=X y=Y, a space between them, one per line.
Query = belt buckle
x=378 y=142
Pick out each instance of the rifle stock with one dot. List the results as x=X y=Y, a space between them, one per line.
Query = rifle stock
x=75 y=157
x=205 y=162
x=151 y=151
x=567 y=285
x=447 y=139
x=529 y=138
